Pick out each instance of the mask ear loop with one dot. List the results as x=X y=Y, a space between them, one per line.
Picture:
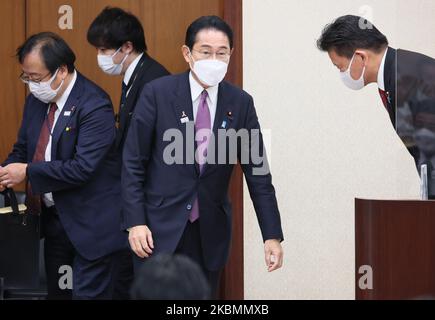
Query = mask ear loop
x=350 y=66
x=125 y=58
x=192 y=61
x=48 y=81
x=364 y=67
x=52 y=79
x=116 y=52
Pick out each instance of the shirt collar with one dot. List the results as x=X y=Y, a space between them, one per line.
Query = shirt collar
x=196 y=89
x=64 y=97
x=130 y=69
x=381 y=82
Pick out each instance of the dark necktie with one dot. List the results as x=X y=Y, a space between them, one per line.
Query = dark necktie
x=202 y=122
x=124 y=90
x=123 y=95
x=33 y=202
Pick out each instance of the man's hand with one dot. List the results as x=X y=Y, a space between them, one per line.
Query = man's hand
x=273 y=254
x=2 y=172
x=13 y=174
x=141 y=241
x=2 y=188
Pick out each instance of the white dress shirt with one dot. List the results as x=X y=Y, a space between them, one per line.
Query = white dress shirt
x=381 y=81
x=130 y=70
x=196 y=89
x=48 y=197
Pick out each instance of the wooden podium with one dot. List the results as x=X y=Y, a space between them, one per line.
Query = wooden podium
x=394 y=249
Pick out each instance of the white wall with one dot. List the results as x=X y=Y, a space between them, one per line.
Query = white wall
x=329 y=144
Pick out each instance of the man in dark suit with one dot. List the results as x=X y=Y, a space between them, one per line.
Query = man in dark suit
x=177 y=201
x=119 y=39
x=405 y=79
x=63 y=149
x=361 y=53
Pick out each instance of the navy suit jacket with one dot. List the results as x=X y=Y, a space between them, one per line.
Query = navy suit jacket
x=82 y=173
x=161 y=195
x=149 y=69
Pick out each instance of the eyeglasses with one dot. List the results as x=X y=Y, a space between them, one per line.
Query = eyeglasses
x=26 y=78
x=222 y=55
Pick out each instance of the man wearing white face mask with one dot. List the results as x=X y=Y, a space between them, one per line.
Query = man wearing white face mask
x=62 y=152
x=119 y=39
x=183 y=208
x=405 y=80
x=362 y=56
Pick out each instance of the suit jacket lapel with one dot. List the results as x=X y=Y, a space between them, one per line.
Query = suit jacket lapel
x=66 y=115
x=222 y=108
x=390 y=82
x=36 y=125
x=182 y=106
x=130 y=102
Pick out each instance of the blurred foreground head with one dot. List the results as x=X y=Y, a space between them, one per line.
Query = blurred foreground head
x=170 y=277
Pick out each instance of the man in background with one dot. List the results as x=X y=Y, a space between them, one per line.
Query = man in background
x=121 y=47
x=119 y=39
x=405 y=81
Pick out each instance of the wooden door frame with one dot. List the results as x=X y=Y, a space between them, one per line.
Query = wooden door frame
x=232 y=280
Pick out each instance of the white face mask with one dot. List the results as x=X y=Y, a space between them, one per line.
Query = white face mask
x=106 y=63
x=209 y=72
x=349 y=81
x=43 y=91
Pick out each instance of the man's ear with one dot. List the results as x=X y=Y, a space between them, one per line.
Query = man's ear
x=185 y=51
x=364 y=56
x=63 y=71
x=127 y=47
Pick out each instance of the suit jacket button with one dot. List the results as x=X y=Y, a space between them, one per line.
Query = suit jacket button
x=189 y=207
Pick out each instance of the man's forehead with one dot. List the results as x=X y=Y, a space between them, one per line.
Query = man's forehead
x=33 y=63
x=212 y=38
x=33 y=57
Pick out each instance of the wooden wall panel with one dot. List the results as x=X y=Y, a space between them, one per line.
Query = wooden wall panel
x=232 y=283
x=12 y=90
x=165 y=23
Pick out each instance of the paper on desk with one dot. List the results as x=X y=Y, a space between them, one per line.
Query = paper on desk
x=7 y=210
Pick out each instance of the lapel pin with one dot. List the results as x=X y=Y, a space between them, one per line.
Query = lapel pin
x=184 y=117
x=67 y=113
x=67 y=129
x=230 y=115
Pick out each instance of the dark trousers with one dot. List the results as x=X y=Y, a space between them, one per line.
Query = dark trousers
x=91 y=279
x=124 y=276
x=190 y=246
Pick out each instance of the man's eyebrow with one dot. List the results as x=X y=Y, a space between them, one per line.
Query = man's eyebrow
x=32 y=74
x=210 y=46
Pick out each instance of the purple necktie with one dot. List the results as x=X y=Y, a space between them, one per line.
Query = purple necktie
x=202 y=122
